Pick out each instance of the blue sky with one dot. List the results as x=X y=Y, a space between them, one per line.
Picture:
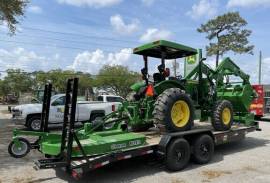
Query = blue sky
x=86 y=34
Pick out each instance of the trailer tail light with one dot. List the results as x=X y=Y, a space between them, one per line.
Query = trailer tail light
x=76 y=175
x=113 y=107
x=149 y=91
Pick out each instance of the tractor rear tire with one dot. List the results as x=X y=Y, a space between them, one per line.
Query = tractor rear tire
x=174 y=109
x=222 y=117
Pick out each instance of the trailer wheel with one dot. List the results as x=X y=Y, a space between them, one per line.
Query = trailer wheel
x=222 y=117
x=178 y=155
x=34 y=123
x=203 y=149
x=174 y=109
x=21 y=151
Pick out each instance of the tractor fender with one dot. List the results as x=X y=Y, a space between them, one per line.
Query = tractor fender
x=162 y=86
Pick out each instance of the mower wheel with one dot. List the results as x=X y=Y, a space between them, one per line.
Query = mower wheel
x=177 y=155
x=222 y=117
x=174 y=109
x=19 y=151
x=34 y=123
x=203 y=149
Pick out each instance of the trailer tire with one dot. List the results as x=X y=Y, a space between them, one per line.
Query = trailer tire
x=34 y=123
x=222 y=117
x=177 y=155
x=203 y=149
x=174 y=109
x=19 y=152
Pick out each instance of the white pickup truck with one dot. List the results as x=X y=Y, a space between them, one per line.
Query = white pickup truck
x=30 y=114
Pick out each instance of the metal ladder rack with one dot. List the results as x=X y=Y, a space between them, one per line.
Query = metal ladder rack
x=46 y=108
x=68 y=131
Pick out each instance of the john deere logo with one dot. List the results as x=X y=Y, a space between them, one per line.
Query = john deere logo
x=61 y=109
x=191 y=59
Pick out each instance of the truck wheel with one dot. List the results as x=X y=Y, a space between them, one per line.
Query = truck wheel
x=174 y=109
x=97 y=115
x=178 y=155
x=222 y=117
x=34 y=123
x=19 y=151
x=203 y=149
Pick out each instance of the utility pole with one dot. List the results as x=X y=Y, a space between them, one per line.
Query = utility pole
x=174 y=67
x=260 y=69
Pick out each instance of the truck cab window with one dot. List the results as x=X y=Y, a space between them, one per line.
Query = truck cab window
x=59 y=101
x=114 y=99
x=100 y=98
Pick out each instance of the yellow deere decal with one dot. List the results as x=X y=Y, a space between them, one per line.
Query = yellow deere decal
x=191 y=59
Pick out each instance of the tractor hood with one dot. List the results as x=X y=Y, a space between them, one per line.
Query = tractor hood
x=137 y=86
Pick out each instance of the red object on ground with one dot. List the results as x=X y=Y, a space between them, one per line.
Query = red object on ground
x=257 y=106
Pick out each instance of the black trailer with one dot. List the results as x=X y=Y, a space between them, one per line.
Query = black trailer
x=175 y=148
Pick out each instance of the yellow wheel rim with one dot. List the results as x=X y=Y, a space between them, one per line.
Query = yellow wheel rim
x=180 y=113
x=226 y=116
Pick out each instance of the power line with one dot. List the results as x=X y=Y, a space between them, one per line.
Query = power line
x=70 y=41
x=80 y=35
x=56 y=46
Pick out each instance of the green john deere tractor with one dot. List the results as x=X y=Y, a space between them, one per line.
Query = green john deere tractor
x=174 y=102
x=222 y=96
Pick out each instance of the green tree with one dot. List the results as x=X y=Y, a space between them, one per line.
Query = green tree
x=116 y=78
x=59 y=77
x=228 y=33
x=10 y=10
x=17 y=81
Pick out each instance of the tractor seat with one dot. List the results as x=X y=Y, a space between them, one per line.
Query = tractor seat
x=158 y=77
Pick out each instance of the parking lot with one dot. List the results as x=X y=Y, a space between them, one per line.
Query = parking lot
x=245 y=161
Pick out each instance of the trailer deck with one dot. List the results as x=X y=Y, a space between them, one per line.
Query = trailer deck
x=154 y=144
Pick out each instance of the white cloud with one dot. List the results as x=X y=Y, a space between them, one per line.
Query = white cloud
x=248 y=3
x=90 y=3
x=93 y=61
x=148 y=2
x=35 y=9
x=204 y=8
x=121 y=27
x=27 y=60
x=153 y=34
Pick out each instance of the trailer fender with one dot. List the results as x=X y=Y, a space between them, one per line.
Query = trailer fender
x=188 y=135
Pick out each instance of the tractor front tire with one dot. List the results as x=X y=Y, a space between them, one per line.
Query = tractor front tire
x=222 y=117
x=174 y=109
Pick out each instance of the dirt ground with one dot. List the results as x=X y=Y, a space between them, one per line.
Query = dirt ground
x=244 y=161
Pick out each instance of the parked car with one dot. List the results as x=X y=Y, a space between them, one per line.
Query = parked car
x=30 y=114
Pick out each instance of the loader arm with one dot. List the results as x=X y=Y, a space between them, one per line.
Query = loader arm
x=228 y=67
